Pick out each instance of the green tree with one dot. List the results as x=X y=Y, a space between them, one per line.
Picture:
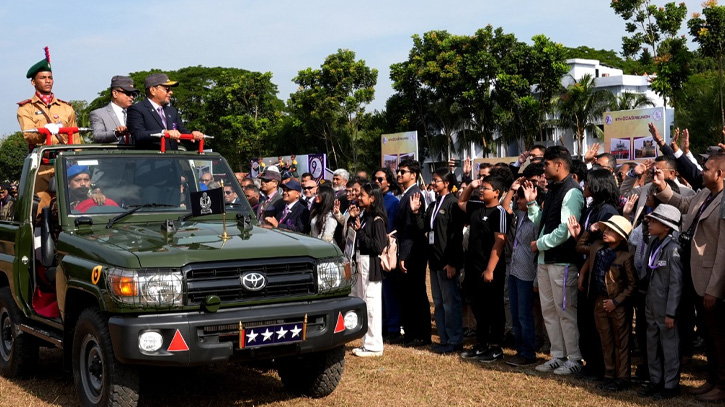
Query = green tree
x=581 y=106
x=13 y=150
x=700 y=111
x=708 y=30
x=331 y=101
x=631 y=100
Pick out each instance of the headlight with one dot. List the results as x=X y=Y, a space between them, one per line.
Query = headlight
x=148 y=287
x=334 y=274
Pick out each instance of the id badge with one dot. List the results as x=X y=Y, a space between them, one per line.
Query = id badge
x=431 y=238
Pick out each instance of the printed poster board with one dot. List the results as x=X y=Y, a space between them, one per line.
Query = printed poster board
x=626 y=133
x=397 y=147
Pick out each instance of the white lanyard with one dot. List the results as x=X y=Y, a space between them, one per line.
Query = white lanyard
x=435 y=211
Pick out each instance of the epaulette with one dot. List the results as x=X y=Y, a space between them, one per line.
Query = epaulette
x=24 y=102
x=62 y=101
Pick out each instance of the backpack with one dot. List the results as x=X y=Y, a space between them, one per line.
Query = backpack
x=389 y=257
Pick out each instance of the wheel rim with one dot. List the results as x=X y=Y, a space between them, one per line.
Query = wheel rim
x=6 y=334
x=92 y=368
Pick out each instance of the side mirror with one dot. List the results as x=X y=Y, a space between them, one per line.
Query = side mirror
x=47 y=245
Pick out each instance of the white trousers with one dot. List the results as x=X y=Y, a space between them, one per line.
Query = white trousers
x=558 y=293
x=371 y=293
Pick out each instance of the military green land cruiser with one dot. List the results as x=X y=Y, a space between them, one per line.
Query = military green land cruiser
x=121 y=274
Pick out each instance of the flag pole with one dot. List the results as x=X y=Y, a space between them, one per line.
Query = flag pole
x=224 y=235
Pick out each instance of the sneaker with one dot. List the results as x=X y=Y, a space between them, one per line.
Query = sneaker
x=492 y=354
x=569 y=367
x=364 y=353
x=520 y=360
x=474 y=352
x=551 y=365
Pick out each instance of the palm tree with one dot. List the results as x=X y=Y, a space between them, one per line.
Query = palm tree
x=631 y=100
x=581 y=106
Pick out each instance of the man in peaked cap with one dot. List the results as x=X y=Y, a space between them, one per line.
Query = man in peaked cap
x=155 y=115
x=109 y=122
x=43 y=108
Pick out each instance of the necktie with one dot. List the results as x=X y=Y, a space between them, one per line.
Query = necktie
x=125 y=117
x=163 y=116
x=285 y=212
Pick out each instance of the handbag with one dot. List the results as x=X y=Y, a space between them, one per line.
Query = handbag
x=389 y=257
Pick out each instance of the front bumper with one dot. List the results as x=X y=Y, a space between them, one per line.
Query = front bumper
x=214 y=337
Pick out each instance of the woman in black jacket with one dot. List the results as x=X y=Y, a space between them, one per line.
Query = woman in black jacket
x=444 y=223
x=370 y=224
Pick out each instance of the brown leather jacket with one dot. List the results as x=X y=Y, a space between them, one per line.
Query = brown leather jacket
x=620 y=279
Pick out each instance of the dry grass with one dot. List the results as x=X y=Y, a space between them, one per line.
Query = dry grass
x=402 y=377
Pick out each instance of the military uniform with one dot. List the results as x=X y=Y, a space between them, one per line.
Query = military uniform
x=34 y=114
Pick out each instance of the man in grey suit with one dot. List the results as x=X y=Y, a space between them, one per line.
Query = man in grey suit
x=109 y=122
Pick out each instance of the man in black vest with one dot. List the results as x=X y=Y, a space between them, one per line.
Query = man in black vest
x=557 y=271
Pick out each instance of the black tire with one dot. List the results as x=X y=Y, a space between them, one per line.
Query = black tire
x=18 y=350
x=100 y=379
x=315 y=375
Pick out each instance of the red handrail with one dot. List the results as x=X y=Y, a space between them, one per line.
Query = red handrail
x=164 y=136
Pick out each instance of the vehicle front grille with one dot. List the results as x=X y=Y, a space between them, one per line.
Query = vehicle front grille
x=284 y=277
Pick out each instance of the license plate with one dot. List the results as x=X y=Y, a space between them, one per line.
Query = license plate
x=278 y=334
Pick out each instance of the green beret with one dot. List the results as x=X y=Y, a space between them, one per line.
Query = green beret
x=42 y=66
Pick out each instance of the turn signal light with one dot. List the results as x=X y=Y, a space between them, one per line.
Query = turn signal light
x=124 y=286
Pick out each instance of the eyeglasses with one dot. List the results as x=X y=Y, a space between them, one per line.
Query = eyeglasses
x=125 y=92
x=486 y=189
x=380 y=179
x=308 y=188
x=227 y=192
x=435 y=180
x=166 y=88
x=402 y=171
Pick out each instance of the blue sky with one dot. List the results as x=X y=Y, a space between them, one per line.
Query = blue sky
x=91 y=41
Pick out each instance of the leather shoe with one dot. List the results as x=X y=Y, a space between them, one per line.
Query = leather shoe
x=702 y=389
x=715 y=394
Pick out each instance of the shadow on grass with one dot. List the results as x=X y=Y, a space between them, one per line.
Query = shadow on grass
x=693 y=374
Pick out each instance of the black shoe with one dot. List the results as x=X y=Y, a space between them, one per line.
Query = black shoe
x=520 y=360
x=616 y=385
x=666 y=394
x=648 y=390
x=492 y=354
x=641 y=375
x=474 y=352
x=393 y=338
x=447 y=349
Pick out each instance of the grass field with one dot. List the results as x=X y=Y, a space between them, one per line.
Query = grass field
x=402 y=377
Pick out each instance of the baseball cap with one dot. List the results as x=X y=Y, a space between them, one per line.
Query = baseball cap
x=269 y=174
x=710 y=151
x=293 y=185
x=156 y=79
x=123 y=82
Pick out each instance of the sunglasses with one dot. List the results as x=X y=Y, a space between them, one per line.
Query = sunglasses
x=127 y=93
x=166 y=88
x=402 y=171
x=380 y=179
x=308 y=188
x=227 y=192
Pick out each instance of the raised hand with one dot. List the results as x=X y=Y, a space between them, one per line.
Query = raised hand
x=629 y=206
x=591 y=153
x=659 y=180
x=655 y=133
x=530 y=191
x=674 y=143
x=415 y=202
x=525 y=154
x=574 y=227
x=467 y=165
x=336 y=207
x=685 y=141
x=517 y=183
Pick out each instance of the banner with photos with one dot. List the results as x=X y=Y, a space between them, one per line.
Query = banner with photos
x=397 y=147
x=626 y=133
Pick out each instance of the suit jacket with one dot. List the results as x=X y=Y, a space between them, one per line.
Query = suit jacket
x=708 y=243
x=627 y=188
x=144 y=120
x=267 y=205
x=104 y=122
x=620 y=279
x=297 y=220
x=412 y=243
x=685 y=167
x=665 y=282
x=447 y=247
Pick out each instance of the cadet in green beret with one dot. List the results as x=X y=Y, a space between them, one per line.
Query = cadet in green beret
x=44 y=108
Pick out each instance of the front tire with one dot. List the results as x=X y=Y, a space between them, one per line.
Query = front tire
x=100 y=380
x=314 y=375
x=18 y=351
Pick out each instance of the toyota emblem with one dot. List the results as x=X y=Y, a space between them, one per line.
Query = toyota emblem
x=254 y=281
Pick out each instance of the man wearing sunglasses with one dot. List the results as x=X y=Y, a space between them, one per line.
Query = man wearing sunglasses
x=109 y=122
x=155 y=115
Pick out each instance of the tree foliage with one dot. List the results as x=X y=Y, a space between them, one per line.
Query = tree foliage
x=330 y=104
x=13 y=150
x=708 y=30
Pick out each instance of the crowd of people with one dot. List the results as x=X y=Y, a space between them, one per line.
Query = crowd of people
x=566 y=255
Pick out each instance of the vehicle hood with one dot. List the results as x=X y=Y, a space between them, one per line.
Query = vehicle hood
x=147 y=245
